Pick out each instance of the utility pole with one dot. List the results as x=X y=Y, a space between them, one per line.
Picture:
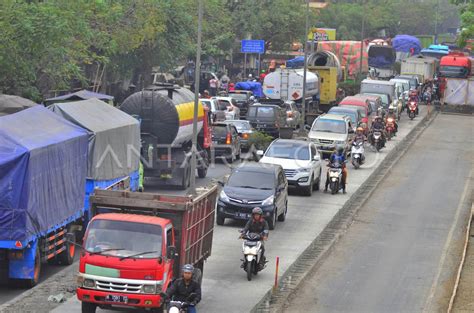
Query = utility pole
x=362 y=42
x=196 y=100
x=303 y=101
x=436 y=23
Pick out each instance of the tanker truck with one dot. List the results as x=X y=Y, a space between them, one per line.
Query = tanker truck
x=166 y=113
x=287 y=84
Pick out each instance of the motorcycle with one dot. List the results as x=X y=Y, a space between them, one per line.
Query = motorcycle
x=357 y=153
x=179 y=306
x=377 y=140
x=390 y=127
x=335 y=177
x=412 y=109
x=252 y=250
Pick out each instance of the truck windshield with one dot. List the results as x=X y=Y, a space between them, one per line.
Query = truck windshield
x=121 y=239
x=329 y=126
x=453 y=71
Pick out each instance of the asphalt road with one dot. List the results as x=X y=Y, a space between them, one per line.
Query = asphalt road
x=392 y=257
x=225 y=286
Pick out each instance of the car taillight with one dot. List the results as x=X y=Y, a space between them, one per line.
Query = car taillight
x=245 y=136
x=228 y=139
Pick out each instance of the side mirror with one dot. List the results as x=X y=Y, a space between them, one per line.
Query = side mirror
x=317 y=157
x=171 y=253
x=221 y=183
x=351 y=131
x=260 y=153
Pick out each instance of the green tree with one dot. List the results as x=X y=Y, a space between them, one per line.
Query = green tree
x=467 y=20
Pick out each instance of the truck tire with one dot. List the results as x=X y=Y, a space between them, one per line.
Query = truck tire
x=67 y=256
x=87 y=307
x=37 y=270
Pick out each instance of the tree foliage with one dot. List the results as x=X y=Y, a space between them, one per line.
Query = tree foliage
x=467 y=20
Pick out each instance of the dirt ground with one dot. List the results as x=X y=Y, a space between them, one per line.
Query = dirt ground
x=464 y=301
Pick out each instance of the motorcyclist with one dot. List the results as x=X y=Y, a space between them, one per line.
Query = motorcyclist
x=206 y=94
x=378 y=125
x=338 y=157
x=182 y=288
x=391 y=113
x=359 y=135
x=427 y=95
x=414 y=98
x=257 y=224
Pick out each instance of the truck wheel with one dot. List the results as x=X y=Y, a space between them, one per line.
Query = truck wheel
x=220 y=220
x=202 y=172
x=87 y=307
x=67 y=256
x=30 y=283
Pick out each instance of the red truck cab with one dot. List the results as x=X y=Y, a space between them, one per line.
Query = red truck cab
x=455 y=65
x=136 y=244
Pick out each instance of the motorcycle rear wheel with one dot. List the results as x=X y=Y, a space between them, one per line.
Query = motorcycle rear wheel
x=334 y=187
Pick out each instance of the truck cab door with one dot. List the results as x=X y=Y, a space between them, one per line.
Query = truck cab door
x=168 y=262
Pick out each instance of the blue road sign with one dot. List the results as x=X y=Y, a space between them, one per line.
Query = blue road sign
x=252 y=46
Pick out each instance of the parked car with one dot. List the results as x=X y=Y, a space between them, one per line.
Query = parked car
x=244 y=99
x=267 y=118
x=232 y=109
x=329 y=131
x=300 y=160
x=352 y=112
x=244 y=129
x=251 y=185
x=213 y=106
x=225 y=142
x=292 y=114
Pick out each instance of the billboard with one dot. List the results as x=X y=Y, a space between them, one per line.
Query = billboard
x=322 y=34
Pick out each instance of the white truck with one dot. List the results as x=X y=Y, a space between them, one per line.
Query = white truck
x=423 y=67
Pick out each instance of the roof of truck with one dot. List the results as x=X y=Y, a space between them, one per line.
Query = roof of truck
x=353 y=100
x=134 y=218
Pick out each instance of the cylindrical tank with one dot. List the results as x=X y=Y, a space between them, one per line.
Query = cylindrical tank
x=287 y=84
x=326 y=58
x=166 y=113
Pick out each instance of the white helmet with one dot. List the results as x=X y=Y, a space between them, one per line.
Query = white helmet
x=250 y=75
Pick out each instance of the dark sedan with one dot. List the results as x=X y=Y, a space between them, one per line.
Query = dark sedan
x=244 y=129
x=254 y=185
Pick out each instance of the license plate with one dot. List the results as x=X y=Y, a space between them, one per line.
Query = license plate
x=214 y=142
x=116 y=299
x=242 y=215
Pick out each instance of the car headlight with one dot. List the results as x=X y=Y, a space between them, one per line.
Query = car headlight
x=268 y=201
x=88 y=283
x=223 y=196
x=304 y=169
x=149 y=289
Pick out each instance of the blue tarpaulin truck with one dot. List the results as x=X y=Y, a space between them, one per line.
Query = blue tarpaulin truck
x=114 y=144
x=43 y=167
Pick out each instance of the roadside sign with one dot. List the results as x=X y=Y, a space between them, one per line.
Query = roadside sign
x=322 y=34
x=252 y=46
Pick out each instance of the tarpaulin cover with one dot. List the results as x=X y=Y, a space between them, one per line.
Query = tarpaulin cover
x=459 y=91
x=43 y=161
x=406 y=43
x=381 y=56
x=12 y=104
x=296 y=62
x=348 y=53
x=80 y=95
x=254 y=87
x=114 y=137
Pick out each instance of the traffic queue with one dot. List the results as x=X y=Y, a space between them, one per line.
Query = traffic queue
x=95 y=158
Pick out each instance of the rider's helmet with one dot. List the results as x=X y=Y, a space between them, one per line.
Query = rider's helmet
x=340 y=150
x=359 y=130
x=378 y=118
x=257 y=211
x=188 y=268
x=390 y=110
x=250 y=75
x=206 y=92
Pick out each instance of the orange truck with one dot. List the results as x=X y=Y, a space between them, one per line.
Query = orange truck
x=136 y=244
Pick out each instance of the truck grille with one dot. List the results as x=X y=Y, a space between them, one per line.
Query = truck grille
x=118 y=287
x=290 y=173
x=326 y=142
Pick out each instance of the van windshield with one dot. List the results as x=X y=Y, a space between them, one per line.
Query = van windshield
x=384 y=97
x=329 y=126
x=122 y=239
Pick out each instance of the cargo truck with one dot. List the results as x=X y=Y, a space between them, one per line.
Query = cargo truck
x=166 y=113
x=382 y=61
x=423 y=67
x=287 y=84
x=136 y=244
x=43 y=162
x=114 y=144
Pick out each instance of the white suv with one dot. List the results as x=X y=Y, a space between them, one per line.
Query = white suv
x=300 y=161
